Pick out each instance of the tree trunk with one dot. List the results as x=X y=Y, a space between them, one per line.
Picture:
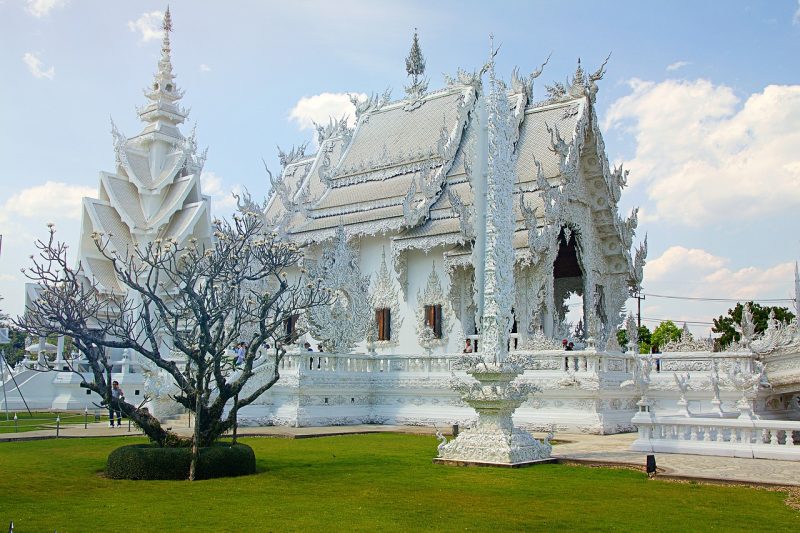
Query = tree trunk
x=235 y=416
x=196 y=439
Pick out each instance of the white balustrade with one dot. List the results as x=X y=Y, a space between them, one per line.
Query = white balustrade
x=732 y=437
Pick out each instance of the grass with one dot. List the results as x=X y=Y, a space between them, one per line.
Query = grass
x=38 y=420
x=362 y=482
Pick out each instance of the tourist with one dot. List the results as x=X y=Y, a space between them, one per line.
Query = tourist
x=564 y=344
x=308 y=347
x=319 y=348
x=114 y=406
x=240 y=351
x=570 y=347
x=467 y=347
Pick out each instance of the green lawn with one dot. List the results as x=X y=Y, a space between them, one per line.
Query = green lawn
x=38 y=420
x=380 y=482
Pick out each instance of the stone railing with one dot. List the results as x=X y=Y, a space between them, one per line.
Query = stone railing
x=731 y=437
x=553 y=360
x=362 y=363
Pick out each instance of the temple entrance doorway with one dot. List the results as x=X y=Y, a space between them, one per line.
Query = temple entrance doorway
x=568 y=290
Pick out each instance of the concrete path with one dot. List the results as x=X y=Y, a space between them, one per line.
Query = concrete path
x=591 y=449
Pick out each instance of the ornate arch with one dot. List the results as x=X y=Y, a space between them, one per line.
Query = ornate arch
x=432 y=295
x=385 y=296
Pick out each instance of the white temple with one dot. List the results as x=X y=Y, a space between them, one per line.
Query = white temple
x=387 y=214
x=398 y=217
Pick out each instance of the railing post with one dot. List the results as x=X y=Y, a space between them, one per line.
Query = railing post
x=58 y=425
x=86 y=417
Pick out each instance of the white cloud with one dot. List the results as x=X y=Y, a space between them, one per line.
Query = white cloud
x=222 y=199
x=321 y=107
x=697 y=273
x=53 y=198
x=677 y=65
x=35 y=66
x=796 y=18
x=148 y=25
x=204 y=68
x=702 y=155
x=42 y=8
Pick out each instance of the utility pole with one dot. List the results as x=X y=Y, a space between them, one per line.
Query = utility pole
x=639 y=297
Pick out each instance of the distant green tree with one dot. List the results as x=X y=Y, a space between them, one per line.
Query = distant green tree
x=644 y=339
x=726 y=324
x=15 y=350
x=665 y=332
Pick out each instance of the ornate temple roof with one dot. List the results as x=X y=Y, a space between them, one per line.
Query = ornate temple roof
x=155 y=191
x=401 y=169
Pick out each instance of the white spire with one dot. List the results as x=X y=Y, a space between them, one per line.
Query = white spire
x=163 y=93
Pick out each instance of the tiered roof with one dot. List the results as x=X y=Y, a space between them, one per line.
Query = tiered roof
x=155 y=192
x=400 y=170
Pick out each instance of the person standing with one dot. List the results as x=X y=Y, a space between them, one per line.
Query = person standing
x=240 y=351
x=117 y=396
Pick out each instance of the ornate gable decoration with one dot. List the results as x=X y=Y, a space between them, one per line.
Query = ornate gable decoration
x=385 y=296
x=432 y=295
x=344 y=322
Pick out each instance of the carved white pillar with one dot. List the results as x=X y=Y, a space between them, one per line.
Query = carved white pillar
x=498 y=259
x=60 y=350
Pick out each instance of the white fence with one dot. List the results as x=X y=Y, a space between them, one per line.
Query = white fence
x=730 y=437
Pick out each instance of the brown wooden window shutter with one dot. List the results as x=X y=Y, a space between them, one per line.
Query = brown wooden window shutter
x=433 y=319
x=383 y=320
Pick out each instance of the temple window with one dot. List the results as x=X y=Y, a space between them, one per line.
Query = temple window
x=433 y=319
x=290 y=326
x=384 y=323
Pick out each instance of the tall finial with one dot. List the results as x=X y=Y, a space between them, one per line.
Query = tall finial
x=167 y=24
x=415 y=67
x=489 y=65
x=164 y=93
x=164 y=87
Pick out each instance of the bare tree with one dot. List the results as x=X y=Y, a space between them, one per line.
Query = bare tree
x=186 y=298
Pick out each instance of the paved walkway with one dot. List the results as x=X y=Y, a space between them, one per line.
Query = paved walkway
x=592 y=449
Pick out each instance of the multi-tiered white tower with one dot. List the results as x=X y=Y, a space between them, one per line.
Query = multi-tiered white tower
x=155 y=191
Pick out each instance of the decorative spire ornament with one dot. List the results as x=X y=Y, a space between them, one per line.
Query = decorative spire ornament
x=415 y=67
x=164 y=94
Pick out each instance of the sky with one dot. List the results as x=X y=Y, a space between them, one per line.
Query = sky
x=701 y=102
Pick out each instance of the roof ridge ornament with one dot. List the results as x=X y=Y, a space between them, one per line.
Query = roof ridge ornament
x=580 y=85
x=415 y=68
x=524 y=85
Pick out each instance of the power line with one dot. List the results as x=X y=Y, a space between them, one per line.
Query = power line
x=720 y=299
x=695 y=322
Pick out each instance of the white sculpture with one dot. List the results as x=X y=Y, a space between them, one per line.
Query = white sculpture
x=345 y=321
x=494 y=439
x=749 y=383
x=683 y=386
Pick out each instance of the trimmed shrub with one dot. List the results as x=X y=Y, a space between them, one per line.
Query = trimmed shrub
x=146 y=461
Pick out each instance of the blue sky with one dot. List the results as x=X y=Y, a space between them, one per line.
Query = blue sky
x=701 y=101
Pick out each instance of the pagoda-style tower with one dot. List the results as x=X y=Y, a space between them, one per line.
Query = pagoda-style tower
x=155 y=191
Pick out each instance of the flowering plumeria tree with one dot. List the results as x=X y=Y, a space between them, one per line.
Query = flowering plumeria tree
x=190 y=300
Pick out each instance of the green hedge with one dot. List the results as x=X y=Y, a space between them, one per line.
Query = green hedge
x=145 y=461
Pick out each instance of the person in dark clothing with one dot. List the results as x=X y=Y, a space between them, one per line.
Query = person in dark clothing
x=117 y=396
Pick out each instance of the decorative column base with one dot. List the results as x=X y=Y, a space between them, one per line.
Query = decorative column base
x=474 y=447
x=494 y=441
